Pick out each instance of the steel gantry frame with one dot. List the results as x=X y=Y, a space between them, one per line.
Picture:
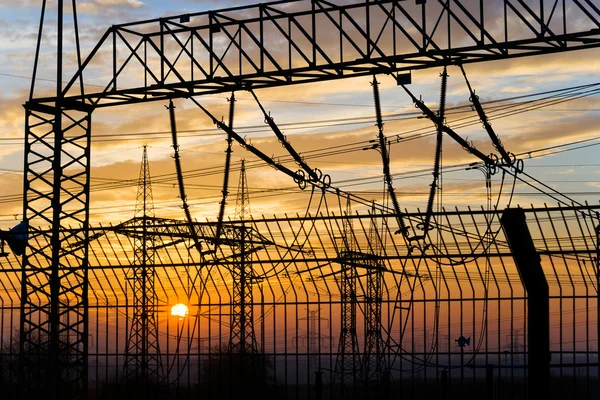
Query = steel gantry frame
x=312 y=41
x=193 y=54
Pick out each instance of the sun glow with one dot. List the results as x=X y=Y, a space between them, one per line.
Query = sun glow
x=180 y=310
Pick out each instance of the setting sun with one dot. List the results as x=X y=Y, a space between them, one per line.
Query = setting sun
x=180 y=310
x=357 y=198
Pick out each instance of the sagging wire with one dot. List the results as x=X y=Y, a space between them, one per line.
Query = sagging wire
x=225 y=190
x=189 y=221
x=416 y=275
x=425 y=362
x=292 y=282
x=325 y=179
x=385 y=158
x=323 y=183
x=180 y=332
x=269 y=273
x=488 y=230
x=398 y=347
x=315 y=176
x=197 y=244
x=191 y=336
x=182 y=195
x=489 y=164
x=425 y=227
x=381 y=146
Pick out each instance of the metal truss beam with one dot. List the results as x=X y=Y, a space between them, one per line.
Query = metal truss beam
x=291 y=42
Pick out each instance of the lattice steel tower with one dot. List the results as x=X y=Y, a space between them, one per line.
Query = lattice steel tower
x=54 y=317
x=312 y=340
x=374 y=370
x=142 y=355
x=242 y=339
x=347 y=363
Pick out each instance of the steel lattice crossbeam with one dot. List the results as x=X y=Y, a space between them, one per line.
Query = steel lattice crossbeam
x=290 y=42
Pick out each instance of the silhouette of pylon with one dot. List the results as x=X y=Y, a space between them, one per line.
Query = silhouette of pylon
x=242 y=339
x=142 y=355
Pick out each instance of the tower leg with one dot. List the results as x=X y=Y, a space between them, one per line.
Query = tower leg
x=54 y=305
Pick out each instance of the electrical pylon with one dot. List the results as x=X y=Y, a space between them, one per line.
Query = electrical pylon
x=142 y=355
x=312 y=339
x=243 y=338
x=374 y=369
x=347 y=363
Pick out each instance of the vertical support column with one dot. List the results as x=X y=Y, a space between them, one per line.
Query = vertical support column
x=538 y=315
x=54 y=306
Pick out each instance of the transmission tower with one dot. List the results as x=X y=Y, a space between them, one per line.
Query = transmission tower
x=242 y=339
x=142 y=355
x=374 y=363
x=347 y=364
x=312 y=339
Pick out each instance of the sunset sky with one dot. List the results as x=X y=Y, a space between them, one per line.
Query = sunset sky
x=314 y=116
x=545 y=110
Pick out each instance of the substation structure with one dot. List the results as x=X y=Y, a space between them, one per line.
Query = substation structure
x=451 y=319
x=442 y=304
